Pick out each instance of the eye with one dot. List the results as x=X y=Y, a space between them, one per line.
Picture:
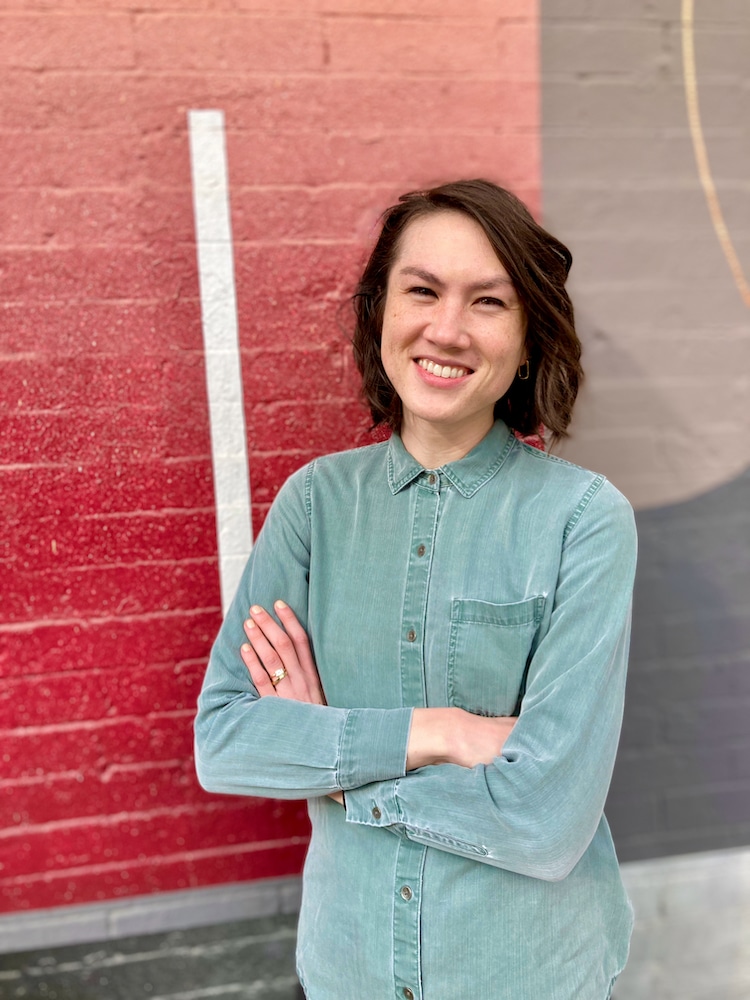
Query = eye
x=421 y=292
x=488 y=300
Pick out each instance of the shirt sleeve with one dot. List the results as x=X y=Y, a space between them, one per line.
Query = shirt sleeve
x=535 y=809
x=274 y=746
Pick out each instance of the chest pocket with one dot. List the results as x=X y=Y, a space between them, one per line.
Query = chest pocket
x=488 y=652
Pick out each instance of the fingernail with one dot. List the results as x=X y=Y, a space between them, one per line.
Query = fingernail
x=279 y=604
x=256 y=609
x=249 y=623
x=245 y=647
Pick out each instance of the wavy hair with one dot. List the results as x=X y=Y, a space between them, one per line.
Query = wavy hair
x=536 y=262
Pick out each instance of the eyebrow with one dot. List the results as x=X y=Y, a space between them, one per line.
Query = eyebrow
x=479 y=286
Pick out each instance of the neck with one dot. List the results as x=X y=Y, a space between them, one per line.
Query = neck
x=433 y=445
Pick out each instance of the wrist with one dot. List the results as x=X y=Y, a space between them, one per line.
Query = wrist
x=429 y=737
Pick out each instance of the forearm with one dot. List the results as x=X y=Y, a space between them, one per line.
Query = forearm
x=529 y=811
x=288 y=749
x=454 y=736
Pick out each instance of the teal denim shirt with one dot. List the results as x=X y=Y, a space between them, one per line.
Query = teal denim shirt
x=501 y=584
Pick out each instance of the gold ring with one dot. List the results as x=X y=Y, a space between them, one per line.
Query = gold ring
x=278 y=675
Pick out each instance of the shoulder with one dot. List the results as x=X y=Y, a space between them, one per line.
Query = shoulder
x=352 y=460
x=569 y=486
x=333 y=472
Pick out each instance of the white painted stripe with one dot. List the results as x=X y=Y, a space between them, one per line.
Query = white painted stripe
x=223 y=370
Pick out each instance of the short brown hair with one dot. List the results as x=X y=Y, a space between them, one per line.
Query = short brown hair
x=537 y=264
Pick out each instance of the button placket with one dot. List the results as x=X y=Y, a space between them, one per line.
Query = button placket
x=407 y=919
x=407 y=881
x=424 y=521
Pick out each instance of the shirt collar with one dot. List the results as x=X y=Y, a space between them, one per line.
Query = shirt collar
x=468 y=474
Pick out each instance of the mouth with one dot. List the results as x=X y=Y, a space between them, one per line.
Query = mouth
x=442 y=371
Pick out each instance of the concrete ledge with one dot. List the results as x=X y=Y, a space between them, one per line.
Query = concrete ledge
x=692 y=929
x=166 y=911
x=691 y=940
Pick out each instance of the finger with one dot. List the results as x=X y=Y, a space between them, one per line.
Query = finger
x=258 y=675
x=276 y=652
x=301 y=643
x=265 y=651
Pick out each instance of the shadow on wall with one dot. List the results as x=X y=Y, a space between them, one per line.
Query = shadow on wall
x=682 y=781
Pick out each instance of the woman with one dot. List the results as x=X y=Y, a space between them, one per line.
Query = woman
x=454 y=718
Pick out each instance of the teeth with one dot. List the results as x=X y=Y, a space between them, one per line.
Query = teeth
x=442 y=371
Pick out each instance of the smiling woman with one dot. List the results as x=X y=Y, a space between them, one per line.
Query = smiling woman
x=522 y=274
x=443 y=674
x=451 y=346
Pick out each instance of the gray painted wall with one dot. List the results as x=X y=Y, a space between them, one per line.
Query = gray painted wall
x=666 y=409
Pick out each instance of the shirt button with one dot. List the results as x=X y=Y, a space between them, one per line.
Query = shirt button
x=376 y=813
x=406 y=892
x=411 y=635
x=432 y=479
x=421 y=550
x=408 y=993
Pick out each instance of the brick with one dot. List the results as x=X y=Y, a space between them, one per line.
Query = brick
x=112 y=590
x=101 y=273
x=129 y=641
x=80 y=41
x=54 y=646
x=642 y=770
x=718 y=805
x=317 y=427
x=63 y=158
x=138 y=787
x=157 y=874
x=279 y=313
x=655 y=256
x=54 y=699
x=198 y=5
x=106 y=489
x=314 y=372
x=104 y=841
x=399 y=45
x=661 y=679
x=54 y=217
x=441 y=9
x=302 y=213
x=95 y=540
x=409 y=160
x=601 y=47
x=83 y=434
x=633 y=816
x=90 y=380
x=120 y=328
x=66 y=158
x=256 y=44
x=34 y=752
x=270 y=471
x=127 y=108
x=717 y=720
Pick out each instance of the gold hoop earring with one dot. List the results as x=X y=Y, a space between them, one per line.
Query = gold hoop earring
x=524 y=374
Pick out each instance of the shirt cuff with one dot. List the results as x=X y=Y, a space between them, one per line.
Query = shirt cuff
x=373 y=746
x=374 y=805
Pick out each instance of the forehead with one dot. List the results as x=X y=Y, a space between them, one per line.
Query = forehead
x=448 y=241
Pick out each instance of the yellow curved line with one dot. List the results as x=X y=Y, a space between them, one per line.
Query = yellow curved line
x=701 y=154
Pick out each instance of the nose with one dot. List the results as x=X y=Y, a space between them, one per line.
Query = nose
x=447 y=327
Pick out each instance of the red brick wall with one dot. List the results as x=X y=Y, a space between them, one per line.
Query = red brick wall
x=108 y=550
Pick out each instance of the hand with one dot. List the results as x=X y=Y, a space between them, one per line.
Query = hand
x=272 y=648
x=454 y=736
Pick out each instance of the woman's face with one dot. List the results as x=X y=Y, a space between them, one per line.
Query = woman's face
x=453 y=329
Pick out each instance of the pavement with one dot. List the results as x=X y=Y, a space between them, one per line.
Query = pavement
x=243 y=960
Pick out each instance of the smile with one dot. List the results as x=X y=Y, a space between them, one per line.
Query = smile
x=442 y=371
